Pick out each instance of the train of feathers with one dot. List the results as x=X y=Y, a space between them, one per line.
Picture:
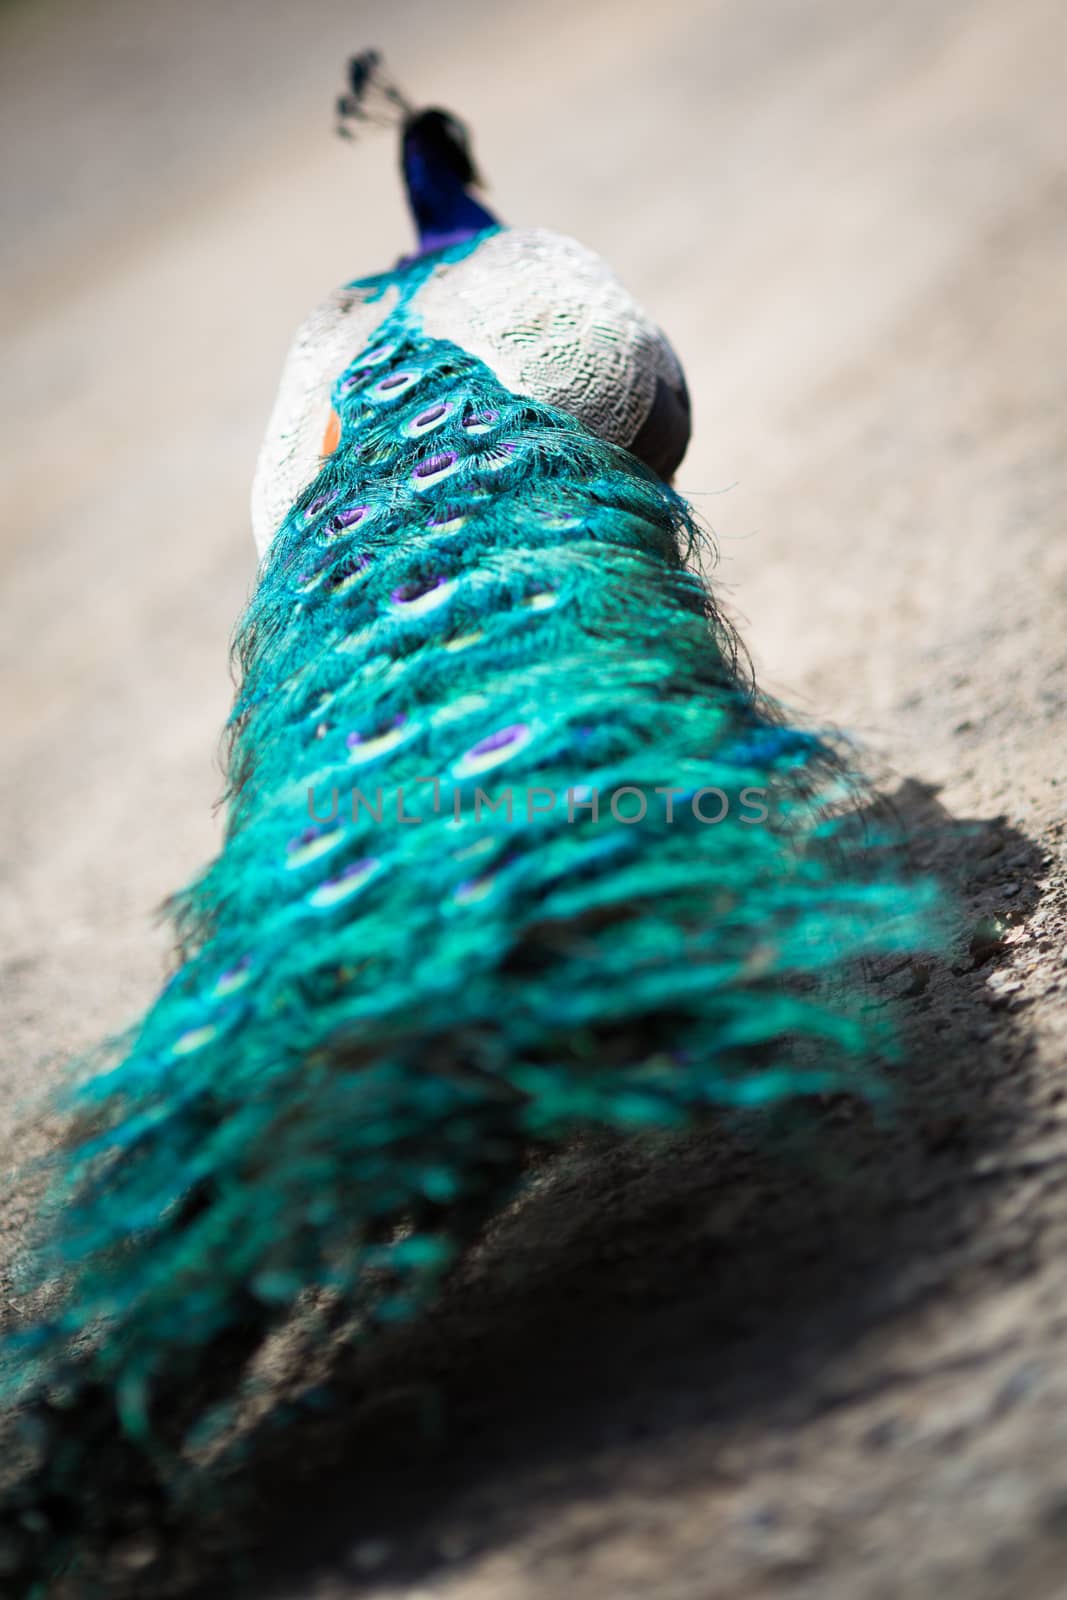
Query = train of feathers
x=513 y=849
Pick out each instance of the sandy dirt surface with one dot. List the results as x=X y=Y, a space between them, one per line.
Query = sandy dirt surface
x=830 y=1362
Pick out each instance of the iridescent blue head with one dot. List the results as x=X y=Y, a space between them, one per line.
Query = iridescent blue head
x=435 y=155
x=439 y=174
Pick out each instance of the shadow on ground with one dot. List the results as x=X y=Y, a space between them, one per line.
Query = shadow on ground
x=636 y=1295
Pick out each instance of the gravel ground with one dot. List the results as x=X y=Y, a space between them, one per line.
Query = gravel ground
x=829 y=1361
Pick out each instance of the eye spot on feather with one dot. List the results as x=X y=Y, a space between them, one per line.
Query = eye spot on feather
x=394 y=384
x=347 y=883
x=194 y=1039
x=342 y=521
x=364 y=364
x=312 y=576
x=474 y=890
x=233 y=978
x=362 y=750
x=450 y=522
x=354 y=642
x=319 y=703
x=311 y=845
x=434 y=468
x=456 y=710
x=418 y=598
x=374 y=356
x=347 y=574
x=463 y=641
x=433 y=417
x=480 y=847
x=493 y=750
x=479 y=422
x=320 y=502
x=499 y=457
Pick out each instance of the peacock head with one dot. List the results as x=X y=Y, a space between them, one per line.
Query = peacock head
x=435 y=155
x=440 y=141
x=439 y=174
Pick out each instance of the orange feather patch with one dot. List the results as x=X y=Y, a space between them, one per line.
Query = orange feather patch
x=332 y=437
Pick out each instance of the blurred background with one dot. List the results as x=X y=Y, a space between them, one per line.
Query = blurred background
x=851 y=219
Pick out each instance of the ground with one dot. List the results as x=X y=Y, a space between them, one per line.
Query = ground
x=827 y=1359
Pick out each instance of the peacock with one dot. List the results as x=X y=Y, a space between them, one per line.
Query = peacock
x=513 y=849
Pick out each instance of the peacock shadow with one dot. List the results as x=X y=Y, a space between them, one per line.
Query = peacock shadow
x=648 y=1307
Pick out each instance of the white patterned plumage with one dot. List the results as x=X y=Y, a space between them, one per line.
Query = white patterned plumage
x=549 y=317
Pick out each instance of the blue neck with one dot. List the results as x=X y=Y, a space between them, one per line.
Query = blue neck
x=444 y=211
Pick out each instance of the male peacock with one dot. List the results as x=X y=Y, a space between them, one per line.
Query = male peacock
x=512 y=849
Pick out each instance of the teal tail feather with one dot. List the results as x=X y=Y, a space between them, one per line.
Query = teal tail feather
x=478 y=616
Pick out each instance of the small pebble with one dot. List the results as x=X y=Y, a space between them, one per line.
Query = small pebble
x=136 y=1553
x=369 y=1554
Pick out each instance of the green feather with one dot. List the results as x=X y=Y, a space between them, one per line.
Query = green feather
x=375 y=1017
